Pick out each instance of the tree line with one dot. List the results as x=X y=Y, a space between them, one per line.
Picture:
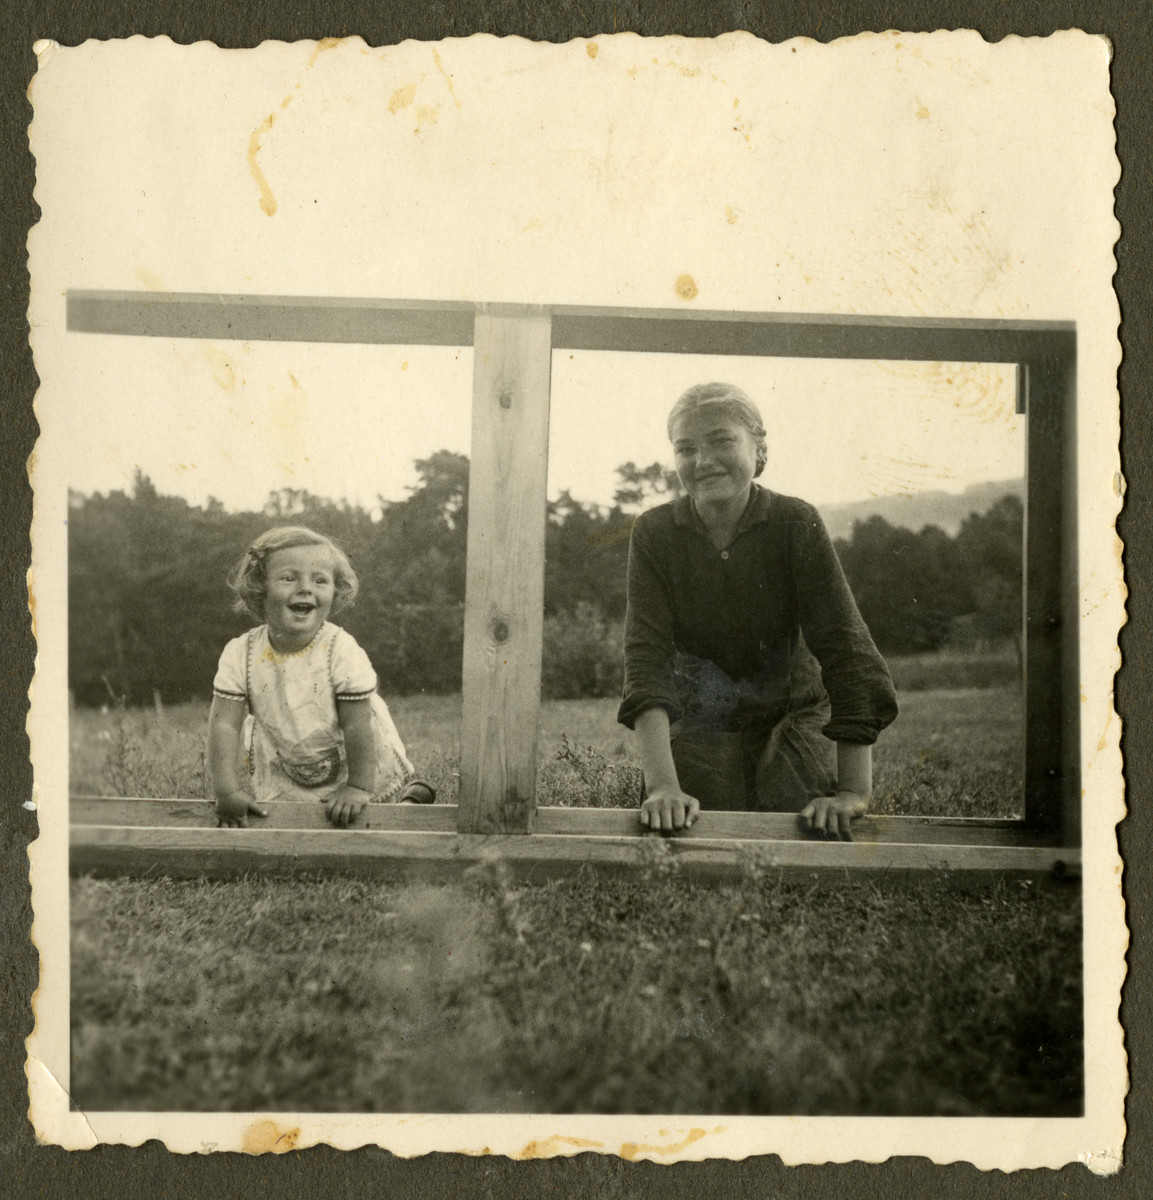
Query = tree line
x=149 y=610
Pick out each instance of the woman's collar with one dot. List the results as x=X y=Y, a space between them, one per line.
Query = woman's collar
x=756 y=511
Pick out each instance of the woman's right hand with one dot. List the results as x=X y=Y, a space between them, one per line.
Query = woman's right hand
x=232 y=809
x=669 y=809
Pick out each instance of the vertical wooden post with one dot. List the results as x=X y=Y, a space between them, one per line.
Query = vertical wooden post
x=1052 y=605
x=1022 y=401
x=504 y=604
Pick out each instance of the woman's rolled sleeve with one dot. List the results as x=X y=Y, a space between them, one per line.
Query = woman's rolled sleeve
x=648 y=633
x=856 y=677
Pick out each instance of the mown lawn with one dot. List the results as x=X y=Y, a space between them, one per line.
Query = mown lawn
x=588 y=995
x=595 y=994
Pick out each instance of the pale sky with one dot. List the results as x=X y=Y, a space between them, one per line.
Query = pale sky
x=878 y=176
x=237 y=420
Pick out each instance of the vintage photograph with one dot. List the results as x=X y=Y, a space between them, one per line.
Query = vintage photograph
x=592 y=632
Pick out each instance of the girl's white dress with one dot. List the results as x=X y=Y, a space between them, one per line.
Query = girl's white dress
x=293 y=741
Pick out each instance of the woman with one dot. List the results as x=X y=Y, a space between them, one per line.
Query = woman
x=746 y=660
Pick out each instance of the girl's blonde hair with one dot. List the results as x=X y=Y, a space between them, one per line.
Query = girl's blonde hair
x=249 y=578
x=732 y=401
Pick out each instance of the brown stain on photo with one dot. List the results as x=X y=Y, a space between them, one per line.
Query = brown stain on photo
x=266 y=1137
x=631 y=1150
x=267 y=199
x=447 y=77
x=426 y=114
x=591 y=49
x=402 y=97
x=328 y=43
x=554 y=1145
x=30 y=582
x=1103 y=740
x=686 y=287
x=222 y=367
x=984 y=391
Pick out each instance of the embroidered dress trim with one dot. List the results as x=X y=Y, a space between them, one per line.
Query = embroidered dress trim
x=318 y=772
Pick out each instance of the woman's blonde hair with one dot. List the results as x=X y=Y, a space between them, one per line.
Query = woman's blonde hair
x=732 y=401
x=249 y=578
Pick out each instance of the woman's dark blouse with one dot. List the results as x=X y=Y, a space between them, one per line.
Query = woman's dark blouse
x=742 y=625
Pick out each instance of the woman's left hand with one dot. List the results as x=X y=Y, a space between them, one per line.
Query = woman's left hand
x=832 y=815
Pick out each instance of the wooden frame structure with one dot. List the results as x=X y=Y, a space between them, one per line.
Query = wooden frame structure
x=497 y=813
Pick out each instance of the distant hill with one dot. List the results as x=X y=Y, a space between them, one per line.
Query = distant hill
x=946 y=510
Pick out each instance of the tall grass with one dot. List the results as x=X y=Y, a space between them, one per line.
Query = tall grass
x=952 y=670
x=949 y=752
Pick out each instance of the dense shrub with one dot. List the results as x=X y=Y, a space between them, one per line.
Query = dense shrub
x=149 y=612
x=583 y=655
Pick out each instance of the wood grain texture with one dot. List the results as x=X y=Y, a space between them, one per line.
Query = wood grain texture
x=228 y=853
x=791 y=335
x=504 y=598
x=576 y=327
x=597 y=822
x=271 y=318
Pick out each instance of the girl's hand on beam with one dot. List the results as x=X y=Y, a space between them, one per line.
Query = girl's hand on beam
x=346 y=805
x=233 y=809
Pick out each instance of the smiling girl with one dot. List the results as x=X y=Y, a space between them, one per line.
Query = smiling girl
x=299 y=693
x=750 y=677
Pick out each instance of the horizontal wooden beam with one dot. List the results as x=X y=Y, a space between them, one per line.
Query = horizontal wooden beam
x=272 y=318
x=229 y=853
x=579 y=822
x=805 y=335
x=655 y=331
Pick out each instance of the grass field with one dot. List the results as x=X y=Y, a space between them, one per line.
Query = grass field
x=649 y=994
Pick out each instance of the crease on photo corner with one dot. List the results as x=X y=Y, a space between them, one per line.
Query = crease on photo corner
x=44 y=49
x=1102 y=1162
x=45 y=1094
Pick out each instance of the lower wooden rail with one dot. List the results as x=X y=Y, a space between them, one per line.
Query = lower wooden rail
x=619 y=822
x=176 y=838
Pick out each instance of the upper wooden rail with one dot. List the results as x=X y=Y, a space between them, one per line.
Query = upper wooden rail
x=574 y=327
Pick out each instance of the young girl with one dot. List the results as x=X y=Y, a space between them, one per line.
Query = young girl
x=315 y=727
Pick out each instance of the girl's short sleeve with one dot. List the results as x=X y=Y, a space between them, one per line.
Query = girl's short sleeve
x=352 y=675
x=231 y=681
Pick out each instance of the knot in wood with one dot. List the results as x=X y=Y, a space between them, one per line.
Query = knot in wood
x=500 y=631
x=506 y=398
